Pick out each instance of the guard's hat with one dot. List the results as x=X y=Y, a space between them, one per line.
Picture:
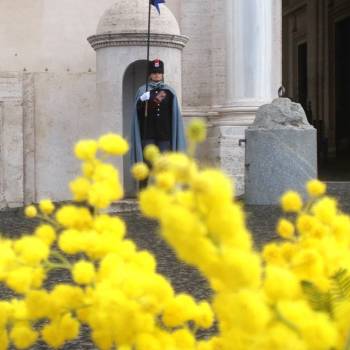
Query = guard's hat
x=156 y=66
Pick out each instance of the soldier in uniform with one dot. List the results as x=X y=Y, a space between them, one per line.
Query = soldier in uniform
x=157 y=118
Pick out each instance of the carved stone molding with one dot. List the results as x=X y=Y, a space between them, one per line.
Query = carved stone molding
x=99 y=41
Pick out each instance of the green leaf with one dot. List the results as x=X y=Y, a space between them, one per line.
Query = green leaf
x=340 y=288
x=319 y=301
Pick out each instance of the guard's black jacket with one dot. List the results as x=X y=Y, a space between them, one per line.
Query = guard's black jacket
x=157 y=124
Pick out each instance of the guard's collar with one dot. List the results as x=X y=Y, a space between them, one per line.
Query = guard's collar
x=156 y=84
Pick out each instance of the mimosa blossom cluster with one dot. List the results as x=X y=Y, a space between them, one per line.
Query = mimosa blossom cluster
x=285 y=297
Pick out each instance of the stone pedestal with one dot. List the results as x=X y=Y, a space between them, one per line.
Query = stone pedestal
x=281 y=153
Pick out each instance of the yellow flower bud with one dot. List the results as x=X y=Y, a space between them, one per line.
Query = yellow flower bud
x=291 y=202
x=140 y=171
x=69 y=327
x=113 y=144
x=31 y=211
x=46 y=233
x=38 y=277
x=52 y=335
x=316 y=188
x=205 y=315
x=285 y=229
x=197 y=131
x=100 y=195
x=73 y=217
x=184 y=339
x=88 y=168
x=151 y=153
x=4 y=339
x=46 y=206
x=83 y=272
x=325 y=209
x=179 y=310
x=86 y=149
x=23 y=336
x=35 y=298
x=165 y=180
x=80 y=188
x=145 y=341
x=20 y=279
x=70 y=241
x=32 y=250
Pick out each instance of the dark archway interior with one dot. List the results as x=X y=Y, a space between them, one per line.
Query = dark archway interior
x=342 y=86
x=338 y=168
x=316 y=73
x=134 y=77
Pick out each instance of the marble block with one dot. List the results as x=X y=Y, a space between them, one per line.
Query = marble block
x=279 y=157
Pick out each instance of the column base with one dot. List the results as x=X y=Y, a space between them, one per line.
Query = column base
x=226 y=142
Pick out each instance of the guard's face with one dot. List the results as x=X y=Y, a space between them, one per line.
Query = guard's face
x=156 y=77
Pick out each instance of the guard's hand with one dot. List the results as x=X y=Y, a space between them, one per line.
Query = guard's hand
x=145 y=96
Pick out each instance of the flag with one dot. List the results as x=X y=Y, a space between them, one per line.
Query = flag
x=156 y=3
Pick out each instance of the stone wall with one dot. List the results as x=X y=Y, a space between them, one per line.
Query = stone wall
x=196 y=24
x=43 y=34
x=47 y=94
x=65 y=111
x=42 y=116
x=11 y=140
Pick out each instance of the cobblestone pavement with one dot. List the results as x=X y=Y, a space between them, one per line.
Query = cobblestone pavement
x=260 y=219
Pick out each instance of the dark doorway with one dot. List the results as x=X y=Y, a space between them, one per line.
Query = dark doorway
x=316 y=73
x=338 y=168
x=302 y=77
x=342 y=88
x=134 y=77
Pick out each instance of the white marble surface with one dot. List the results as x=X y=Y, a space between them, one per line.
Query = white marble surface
x=225 y=152
x=11 y=154
x=132 y=17
x=40 y=34
x=65 y=112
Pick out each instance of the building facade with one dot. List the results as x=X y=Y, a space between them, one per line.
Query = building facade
x=316 y=73
x=227 y=63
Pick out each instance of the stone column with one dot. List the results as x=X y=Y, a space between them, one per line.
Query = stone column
x=250 y=72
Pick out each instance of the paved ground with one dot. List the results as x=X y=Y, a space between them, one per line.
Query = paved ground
x=261 y=221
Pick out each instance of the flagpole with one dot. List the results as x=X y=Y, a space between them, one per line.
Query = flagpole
x=148 y=46
x=148 y=41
